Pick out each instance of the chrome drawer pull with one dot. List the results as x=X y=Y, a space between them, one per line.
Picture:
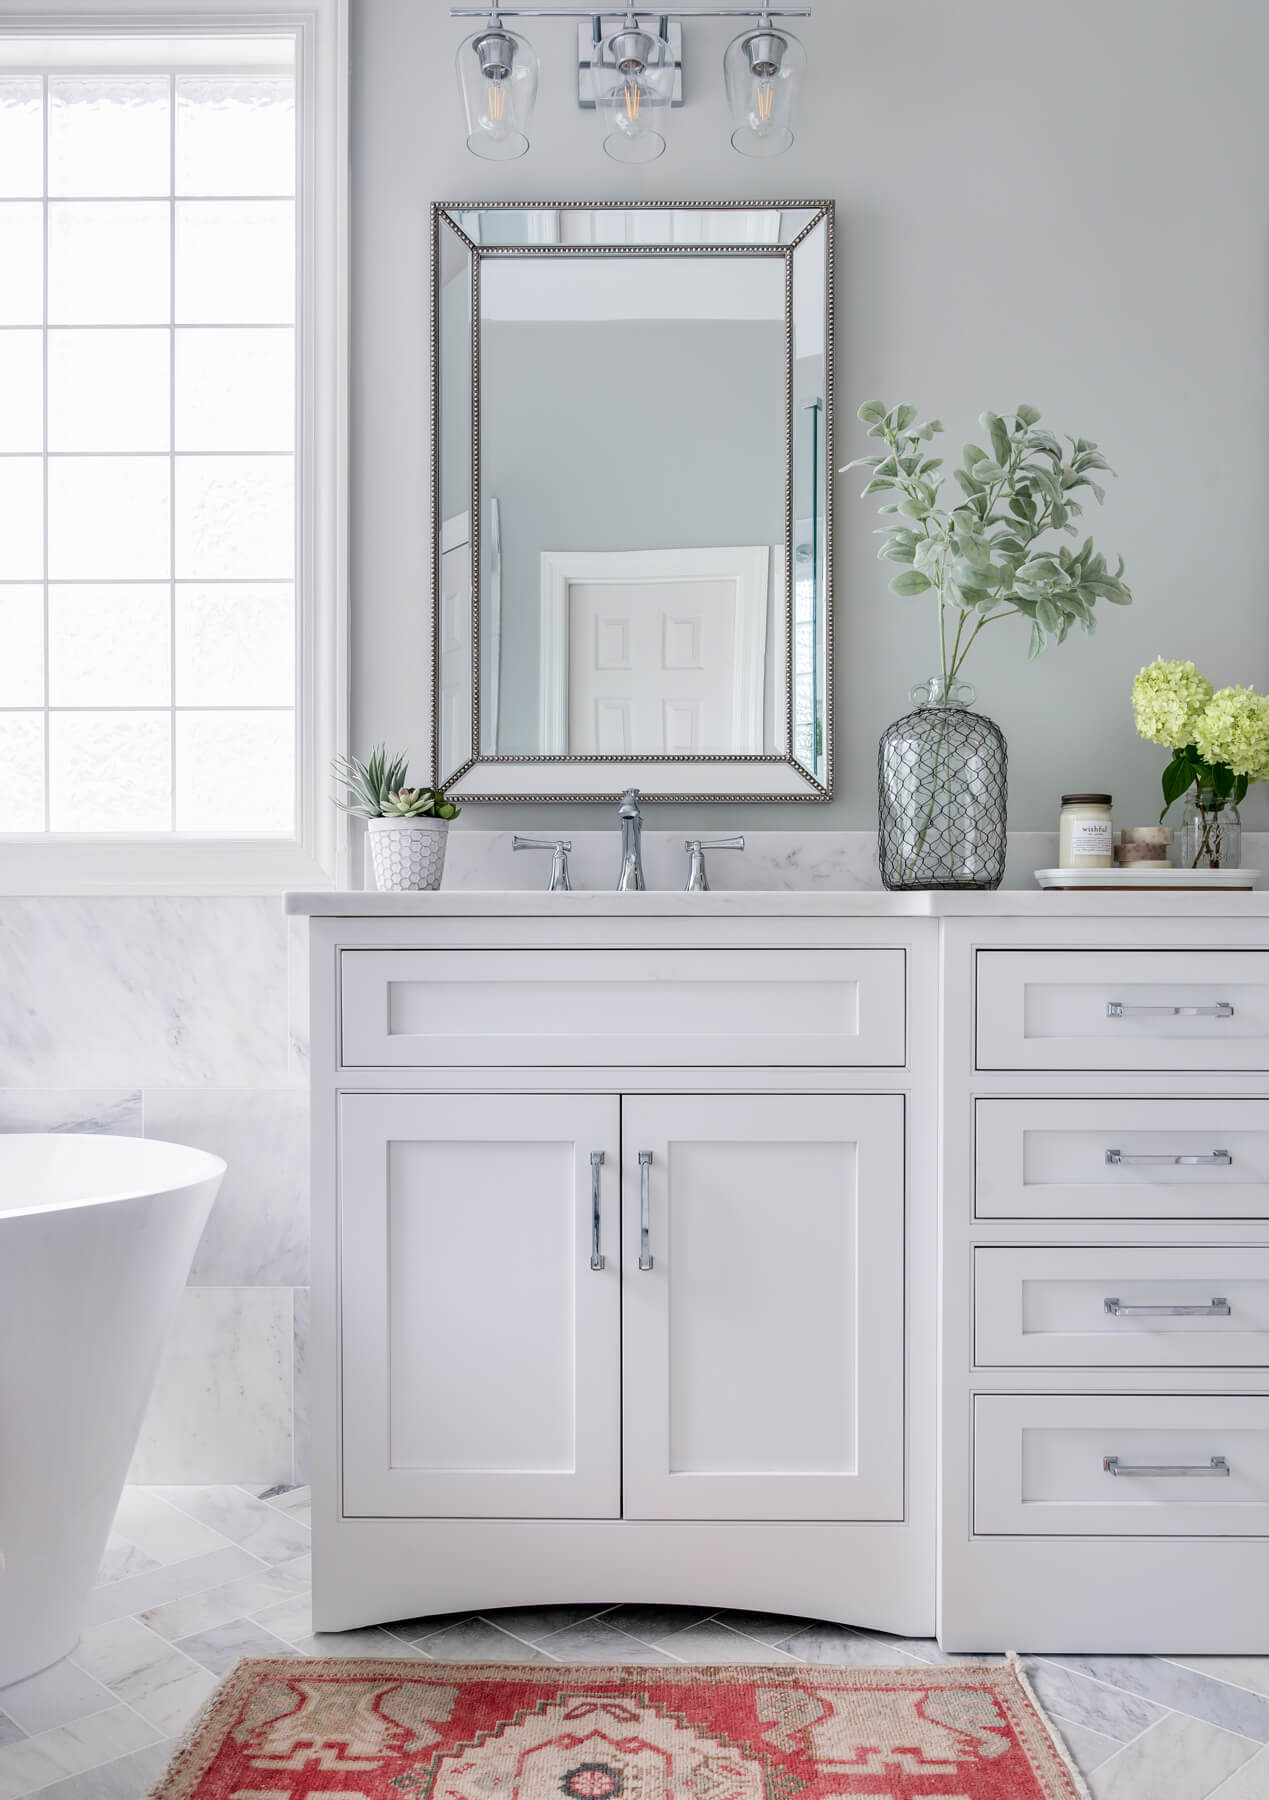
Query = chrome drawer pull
x=1217 y=1466
x=645 y=1220
x=596 y=1254
x=1215 y=1309
x=1214 y=1159
x=1115 y=1009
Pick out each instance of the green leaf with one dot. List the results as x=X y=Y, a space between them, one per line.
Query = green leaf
x=1048 y=614
x=999 y=439
x=878 y=485
x=904 y=417
x=1037 y=643
x=872 y=412
x=987 y=470
x=1028 y=414
x=910 y=582
x=896 y=551
x=1176 y=779
x=971 y=455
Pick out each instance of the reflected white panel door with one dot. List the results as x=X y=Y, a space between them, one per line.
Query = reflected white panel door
x=480 y=1347
x=454 y=672
x=654 y=652
x=763 y=1348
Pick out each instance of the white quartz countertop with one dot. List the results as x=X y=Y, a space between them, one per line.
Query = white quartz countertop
x=1021 y=903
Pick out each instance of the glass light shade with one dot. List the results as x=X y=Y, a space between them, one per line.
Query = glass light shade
x=634 y=88
x=763 y=70
x=498 y=79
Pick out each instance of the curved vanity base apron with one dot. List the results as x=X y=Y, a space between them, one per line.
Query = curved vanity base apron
x=368 y=1571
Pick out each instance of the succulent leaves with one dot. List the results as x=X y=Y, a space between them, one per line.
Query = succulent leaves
x=376 y=789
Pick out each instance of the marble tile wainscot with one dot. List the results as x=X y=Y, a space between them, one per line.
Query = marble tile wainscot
x=184 y=1019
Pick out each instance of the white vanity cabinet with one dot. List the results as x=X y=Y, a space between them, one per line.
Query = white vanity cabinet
x=902 y=1260
x=613 y=1260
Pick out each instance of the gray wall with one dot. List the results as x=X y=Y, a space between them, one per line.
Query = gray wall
x=1066 y=206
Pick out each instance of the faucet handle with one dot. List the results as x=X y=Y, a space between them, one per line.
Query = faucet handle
x=697 y=878
x=560 y=882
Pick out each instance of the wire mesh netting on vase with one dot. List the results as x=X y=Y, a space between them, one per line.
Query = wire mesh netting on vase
x=942 y=793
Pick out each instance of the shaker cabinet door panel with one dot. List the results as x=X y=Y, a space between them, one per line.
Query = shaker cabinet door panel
x=764 y=1345
x=480 y=1348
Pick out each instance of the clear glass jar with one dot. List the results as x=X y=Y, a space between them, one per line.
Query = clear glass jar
x=1211 y=834
x=942 y=791
x=1086 y=834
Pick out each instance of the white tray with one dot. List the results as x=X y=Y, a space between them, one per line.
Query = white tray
x=1147 y=875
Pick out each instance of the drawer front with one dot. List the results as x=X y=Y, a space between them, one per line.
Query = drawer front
x=1118 y=1306
x=1123 y=1009
x=1041 y=1465
x=1121 y=1159
x=505 y=1008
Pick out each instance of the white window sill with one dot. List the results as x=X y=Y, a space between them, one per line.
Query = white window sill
x=193 y=866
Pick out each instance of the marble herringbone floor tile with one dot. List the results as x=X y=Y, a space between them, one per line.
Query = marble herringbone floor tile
x=1178 y=1759
x=195 y=1577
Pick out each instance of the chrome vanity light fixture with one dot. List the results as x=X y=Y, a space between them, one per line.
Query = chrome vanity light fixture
x=630 y=74
x=763 y=73
x=498 y=80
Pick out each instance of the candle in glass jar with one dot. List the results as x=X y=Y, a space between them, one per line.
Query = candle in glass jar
x=1086 y=835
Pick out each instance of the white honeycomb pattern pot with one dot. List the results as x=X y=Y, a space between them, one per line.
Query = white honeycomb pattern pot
x=408 y=854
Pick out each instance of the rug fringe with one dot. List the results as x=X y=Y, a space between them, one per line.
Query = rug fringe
x=1068 y=1761
x=194 y=1728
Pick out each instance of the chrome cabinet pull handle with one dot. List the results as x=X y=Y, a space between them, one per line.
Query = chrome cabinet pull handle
x=1214 y=1159
x=1116 y=1009
x=645 y=1212
x=1216 y=1467
x=596 y=1164
x=1215 y=1309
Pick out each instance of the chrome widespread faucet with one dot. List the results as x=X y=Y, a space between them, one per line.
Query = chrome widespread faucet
x=630 y=880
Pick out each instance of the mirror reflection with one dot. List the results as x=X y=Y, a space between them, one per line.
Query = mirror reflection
x=633 y=534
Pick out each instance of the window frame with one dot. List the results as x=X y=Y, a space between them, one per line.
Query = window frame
x=318 y=855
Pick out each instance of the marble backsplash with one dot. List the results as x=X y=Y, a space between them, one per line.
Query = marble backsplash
x=187 y=1019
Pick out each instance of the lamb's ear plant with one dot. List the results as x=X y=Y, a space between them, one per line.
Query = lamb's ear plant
x=982 y=559
x=376 y=789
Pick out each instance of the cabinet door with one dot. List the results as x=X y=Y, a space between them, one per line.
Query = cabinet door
x=764 y=1347
x=480 y=1347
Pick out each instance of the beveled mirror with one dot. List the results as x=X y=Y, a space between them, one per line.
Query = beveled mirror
x=632 y=433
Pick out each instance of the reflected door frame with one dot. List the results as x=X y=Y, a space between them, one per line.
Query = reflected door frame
x=747 y=566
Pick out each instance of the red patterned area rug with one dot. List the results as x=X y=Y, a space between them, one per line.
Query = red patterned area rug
x=361 y=1730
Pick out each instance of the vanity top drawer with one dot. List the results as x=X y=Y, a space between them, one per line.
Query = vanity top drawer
x=1122 y=1009
x=627 y=1008
x=1121 y=1159
x=1131 y=1465
x=1121 y=1306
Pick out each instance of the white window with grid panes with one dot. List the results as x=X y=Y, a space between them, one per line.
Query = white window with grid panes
x=166 y=622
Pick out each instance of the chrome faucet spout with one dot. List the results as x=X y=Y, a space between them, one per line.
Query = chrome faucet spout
x=630 y=878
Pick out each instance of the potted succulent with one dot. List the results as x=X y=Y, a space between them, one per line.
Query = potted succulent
x=408 y=826
x=995 y=553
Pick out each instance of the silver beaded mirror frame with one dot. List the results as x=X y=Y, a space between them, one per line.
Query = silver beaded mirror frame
x=509 y=723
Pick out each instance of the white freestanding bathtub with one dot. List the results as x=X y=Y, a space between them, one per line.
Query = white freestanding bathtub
x=96 y=1239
